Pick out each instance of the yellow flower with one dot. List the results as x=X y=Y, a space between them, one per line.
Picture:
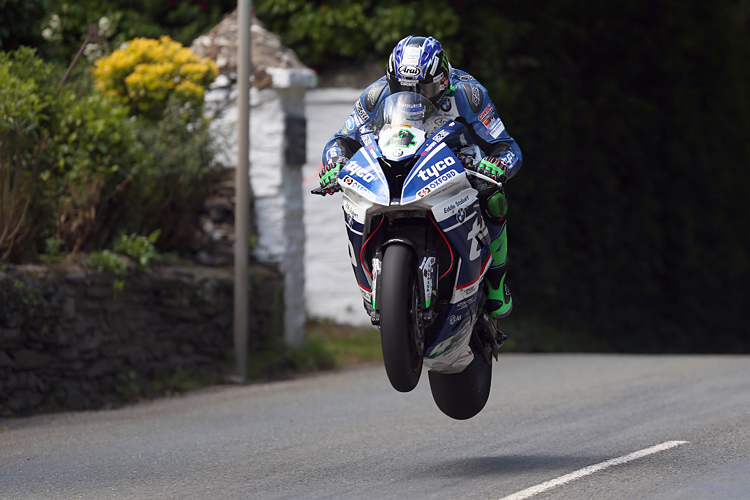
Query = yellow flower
x=147 y=73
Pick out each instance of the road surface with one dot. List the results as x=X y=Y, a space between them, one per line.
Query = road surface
x=555 y=427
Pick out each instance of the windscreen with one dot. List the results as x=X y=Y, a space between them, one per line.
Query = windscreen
x=403 y=109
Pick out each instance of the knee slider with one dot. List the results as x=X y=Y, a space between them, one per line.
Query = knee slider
x=496 y=207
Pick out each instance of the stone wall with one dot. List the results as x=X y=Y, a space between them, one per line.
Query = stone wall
x=74 y=339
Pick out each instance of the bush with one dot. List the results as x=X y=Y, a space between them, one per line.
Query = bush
x=24 y=140
x=163 y=84
x=66 y=22
x=60 y=155
x=321 y=32
x=147 y=74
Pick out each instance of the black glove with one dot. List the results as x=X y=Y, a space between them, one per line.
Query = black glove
x=329 y=174
x=492 y=167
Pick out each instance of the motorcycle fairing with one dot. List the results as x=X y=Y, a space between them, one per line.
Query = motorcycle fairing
x=363 y=173
x=431 y=175
x=354 y=217
x=436 y=166
x=461 y=221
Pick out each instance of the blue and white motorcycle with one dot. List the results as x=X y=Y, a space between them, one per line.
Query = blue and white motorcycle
x=419 y=248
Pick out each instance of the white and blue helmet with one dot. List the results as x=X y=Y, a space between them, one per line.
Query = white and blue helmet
x=419 y=64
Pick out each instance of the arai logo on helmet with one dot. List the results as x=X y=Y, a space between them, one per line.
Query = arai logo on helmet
x=409 y=71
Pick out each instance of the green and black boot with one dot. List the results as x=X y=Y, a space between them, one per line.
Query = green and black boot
x=499 y=302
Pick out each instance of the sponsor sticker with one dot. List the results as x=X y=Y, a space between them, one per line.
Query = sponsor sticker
x=495 y=128
x=486 y=115
x=440 y=135
x=361 y=112
x=436 y=168
x=409 y=71
x=356 y=186
x=437 y=183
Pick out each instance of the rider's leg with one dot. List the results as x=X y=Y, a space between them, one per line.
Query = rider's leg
x=499 y=302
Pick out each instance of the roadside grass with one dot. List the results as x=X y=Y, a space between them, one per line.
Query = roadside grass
x=347 y=345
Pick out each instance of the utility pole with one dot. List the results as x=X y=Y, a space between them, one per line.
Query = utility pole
x=242 y=191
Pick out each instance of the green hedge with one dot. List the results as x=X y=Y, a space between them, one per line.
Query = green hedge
x=76 y=169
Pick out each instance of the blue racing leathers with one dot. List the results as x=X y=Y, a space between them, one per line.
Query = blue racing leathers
x=467 y=102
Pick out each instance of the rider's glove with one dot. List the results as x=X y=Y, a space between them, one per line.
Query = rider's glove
x=329 y=174
x=494 y=168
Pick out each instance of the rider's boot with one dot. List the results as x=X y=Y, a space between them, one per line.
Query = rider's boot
x=499 y=302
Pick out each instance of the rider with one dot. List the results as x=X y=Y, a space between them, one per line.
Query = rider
x=419 y=64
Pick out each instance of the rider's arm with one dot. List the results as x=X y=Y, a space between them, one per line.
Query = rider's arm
x=478 y=114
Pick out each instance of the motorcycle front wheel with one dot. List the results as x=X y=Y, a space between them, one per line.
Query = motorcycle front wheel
x=462 y=395
x=401 y=333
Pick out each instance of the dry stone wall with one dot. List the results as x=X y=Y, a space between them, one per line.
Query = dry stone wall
x=73 y=339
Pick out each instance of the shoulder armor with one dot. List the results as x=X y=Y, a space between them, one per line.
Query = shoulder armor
x=473 y=95
x=372 y=94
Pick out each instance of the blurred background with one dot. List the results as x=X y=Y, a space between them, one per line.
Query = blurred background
x=628 y=224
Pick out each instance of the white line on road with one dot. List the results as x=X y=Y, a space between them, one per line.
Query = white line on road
x=539 y=488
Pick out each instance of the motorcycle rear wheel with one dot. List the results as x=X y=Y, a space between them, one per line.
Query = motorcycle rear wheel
x=462 y=395
x=401 y=334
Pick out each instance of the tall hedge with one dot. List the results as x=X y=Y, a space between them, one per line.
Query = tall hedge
x=630 y=215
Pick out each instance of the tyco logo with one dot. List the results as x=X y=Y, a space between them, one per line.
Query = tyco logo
x=434 y=170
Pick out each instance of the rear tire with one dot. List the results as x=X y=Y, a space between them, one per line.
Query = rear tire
x=401 y=335
x=462 y=395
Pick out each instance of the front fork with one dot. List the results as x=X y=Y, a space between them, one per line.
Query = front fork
x=427 y=286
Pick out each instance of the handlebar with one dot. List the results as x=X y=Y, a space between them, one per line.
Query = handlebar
x=330 y=189
x=483 y=177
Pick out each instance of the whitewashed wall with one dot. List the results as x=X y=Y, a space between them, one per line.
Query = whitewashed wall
x=331 y=290
x=276 y=186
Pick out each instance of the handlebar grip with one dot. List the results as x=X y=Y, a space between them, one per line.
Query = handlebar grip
x=324 y=190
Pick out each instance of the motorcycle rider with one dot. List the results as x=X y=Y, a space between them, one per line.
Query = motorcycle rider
x=419 y=64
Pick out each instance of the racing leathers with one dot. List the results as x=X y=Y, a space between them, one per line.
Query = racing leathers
x=468 y=103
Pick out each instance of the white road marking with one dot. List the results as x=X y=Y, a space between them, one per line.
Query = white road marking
x=539 y=488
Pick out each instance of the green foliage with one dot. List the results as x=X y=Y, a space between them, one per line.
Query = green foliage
x=74 y=166
x=321 y=30
x=25 y=98
x=66 y=24
x=108 y=262
x=59 y=153
x=347 y=345
x=169 y=194
x=139 y=248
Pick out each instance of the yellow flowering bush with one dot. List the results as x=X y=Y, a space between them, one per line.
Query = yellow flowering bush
x=147 y=73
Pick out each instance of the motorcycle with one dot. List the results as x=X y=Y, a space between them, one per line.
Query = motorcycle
x=419 y=248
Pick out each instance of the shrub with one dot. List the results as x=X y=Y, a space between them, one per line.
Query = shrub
x=24 y=139
x=62 y=155
x=147 y=74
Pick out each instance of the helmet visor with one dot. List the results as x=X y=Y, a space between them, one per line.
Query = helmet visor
x=429 y=90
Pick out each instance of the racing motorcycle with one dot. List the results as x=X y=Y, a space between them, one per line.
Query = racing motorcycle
x=419 y=248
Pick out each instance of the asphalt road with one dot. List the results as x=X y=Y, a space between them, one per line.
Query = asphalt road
x=348 y=435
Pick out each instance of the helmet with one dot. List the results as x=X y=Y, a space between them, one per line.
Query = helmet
x=419 y=64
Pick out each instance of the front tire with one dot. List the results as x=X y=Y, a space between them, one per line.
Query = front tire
x=401 y=333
